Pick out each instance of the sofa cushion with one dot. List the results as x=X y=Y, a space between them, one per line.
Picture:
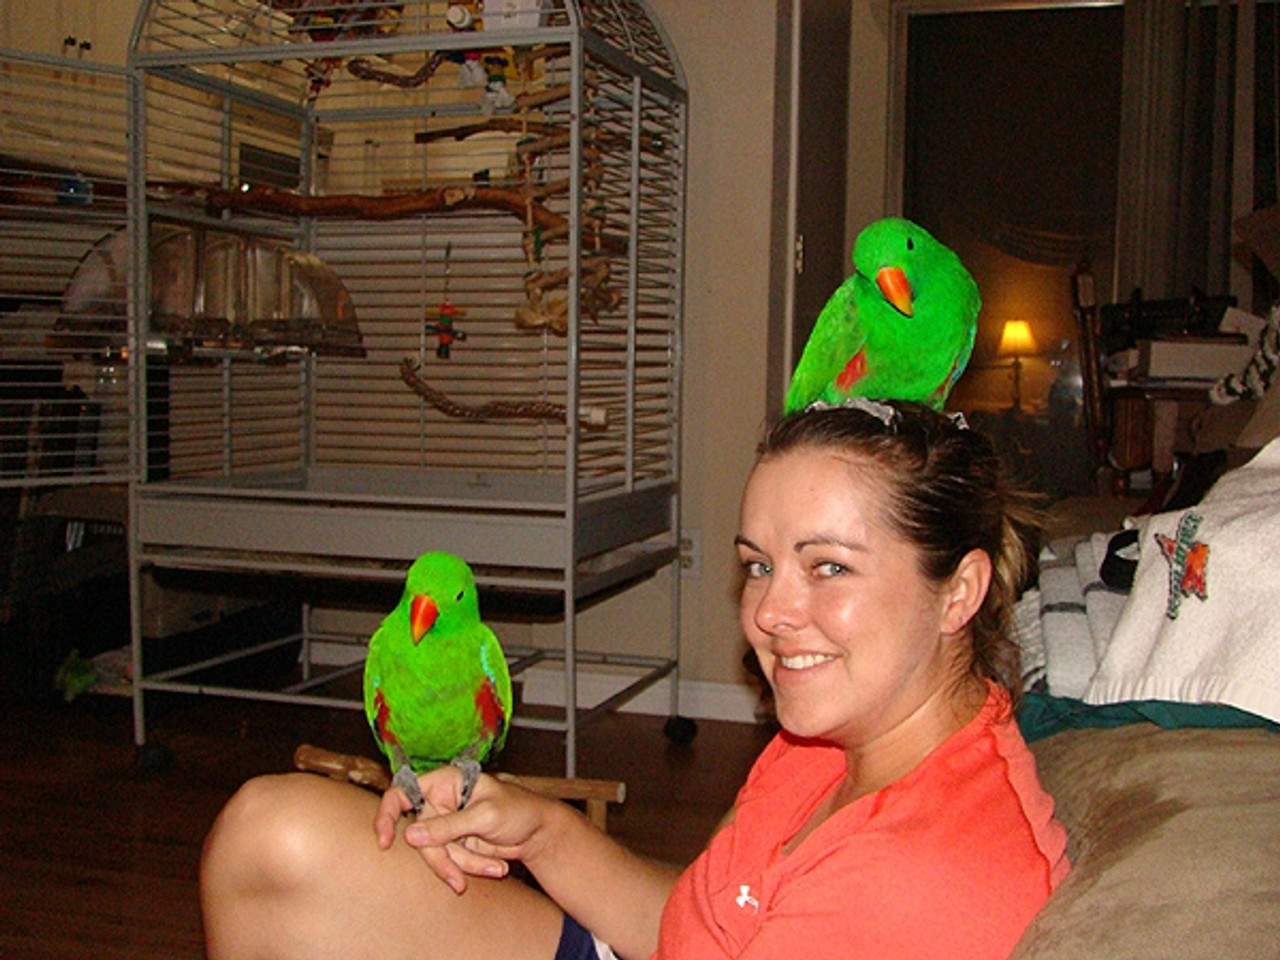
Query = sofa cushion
x=1174 y=838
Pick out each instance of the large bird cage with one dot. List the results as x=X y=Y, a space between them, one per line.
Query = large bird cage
x=64 y=398
x=413 y=276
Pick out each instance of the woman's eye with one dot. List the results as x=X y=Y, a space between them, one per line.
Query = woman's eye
x=756 y=568
x=829 y=568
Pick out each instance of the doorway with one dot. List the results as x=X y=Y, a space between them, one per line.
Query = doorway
x=1010 y=156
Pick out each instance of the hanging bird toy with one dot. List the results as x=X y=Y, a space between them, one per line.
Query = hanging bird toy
x=440 y=320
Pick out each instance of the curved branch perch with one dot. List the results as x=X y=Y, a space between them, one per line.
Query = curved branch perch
x=265 y=199
x=493 y=410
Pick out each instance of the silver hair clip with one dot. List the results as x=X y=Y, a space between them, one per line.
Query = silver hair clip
x=883 y=412
x=958 y=421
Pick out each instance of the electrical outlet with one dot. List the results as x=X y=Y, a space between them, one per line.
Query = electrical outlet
x=690 y=553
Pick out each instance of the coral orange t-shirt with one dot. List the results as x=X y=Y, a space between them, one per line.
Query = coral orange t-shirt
x=953 y=860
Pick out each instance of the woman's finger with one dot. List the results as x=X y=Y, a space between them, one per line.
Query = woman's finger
x=443 y=866
x=391 y=808
x=475 y=863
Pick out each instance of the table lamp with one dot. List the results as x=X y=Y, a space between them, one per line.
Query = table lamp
x=1016 y=341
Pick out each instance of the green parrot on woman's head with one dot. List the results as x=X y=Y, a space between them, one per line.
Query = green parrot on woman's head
x=900 y=328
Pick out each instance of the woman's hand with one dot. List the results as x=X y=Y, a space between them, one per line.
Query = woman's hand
x=502 y=822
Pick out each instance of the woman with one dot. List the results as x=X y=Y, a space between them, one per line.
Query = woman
x=897 y=815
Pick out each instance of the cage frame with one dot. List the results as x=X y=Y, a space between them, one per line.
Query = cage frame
x=545 y=535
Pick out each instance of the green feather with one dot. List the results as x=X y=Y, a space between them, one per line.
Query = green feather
x=899 y=357
x=449 y=694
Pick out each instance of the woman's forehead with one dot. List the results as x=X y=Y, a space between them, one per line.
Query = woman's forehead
x=815 y=480
x=860 y=470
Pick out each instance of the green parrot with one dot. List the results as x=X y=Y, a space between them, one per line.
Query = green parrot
x=900 y=328
x=436 y=685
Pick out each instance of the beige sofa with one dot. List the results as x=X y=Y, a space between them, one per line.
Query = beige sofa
x=1174 y=842
x=1174 y=834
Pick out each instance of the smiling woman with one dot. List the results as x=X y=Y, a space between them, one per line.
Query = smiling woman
x=898 y=813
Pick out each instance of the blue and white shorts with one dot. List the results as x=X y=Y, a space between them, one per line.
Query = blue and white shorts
x=578 y=943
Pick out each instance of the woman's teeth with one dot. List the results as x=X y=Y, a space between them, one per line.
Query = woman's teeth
x=804 y=662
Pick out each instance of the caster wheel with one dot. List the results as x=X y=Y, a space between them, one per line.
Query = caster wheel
x=151 y=759
x=681 y=730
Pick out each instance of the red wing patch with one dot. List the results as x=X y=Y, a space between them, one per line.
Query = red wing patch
x=492 y=718
x=853 y=371
x=382 y=719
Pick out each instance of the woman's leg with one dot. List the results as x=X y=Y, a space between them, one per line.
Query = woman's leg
x=291 y=868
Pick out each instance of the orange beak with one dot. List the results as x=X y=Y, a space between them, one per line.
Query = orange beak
x=422 y=616
x=893 y=284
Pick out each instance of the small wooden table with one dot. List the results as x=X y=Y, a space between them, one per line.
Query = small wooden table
x=1149 y=426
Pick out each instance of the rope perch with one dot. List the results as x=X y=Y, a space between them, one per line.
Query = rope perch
x=493 y=410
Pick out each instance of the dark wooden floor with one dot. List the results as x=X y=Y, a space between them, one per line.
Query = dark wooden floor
x=99 y=861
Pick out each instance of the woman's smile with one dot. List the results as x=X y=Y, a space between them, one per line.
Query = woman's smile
x=805 y=661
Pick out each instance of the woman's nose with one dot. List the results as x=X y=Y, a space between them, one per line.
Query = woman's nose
x=778 y=608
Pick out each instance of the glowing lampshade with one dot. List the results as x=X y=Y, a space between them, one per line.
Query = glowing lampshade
x=1016 y=341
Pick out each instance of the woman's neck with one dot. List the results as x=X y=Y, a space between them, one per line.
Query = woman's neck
x=872 y=767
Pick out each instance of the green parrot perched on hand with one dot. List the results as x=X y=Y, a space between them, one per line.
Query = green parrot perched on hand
x=900 y=328
x=436 y=685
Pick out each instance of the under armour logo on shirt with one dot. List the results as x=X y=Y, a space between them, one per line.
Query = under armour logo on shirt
x=744 y=898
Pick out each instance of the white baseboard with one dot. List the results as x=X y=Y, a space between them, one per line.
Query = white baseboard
x=544 y=686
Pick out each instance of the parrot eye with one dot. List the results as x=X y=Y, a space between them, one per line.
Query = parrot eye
x=911 y=244
x=460 y=595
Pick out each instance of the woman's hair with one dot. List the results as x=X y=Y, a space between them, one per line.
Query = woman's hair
x=947 y=495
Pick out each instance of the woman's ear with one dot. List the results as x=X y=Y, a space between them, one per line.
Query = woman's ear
x=966 y=590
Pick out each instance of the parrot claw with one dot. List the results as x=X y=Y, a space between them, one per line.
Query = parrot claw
x=407 y=781
x=470 y=774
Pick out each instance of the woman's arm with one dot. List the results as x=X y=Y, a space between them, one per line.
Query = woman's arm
x=611 y=891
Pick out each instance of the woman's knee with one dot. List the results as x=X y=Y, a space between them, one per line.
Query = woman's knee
x=272 y=833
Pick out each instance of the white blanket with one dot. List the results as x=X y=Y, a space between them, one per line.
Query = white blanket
x=1077 y=613
x=1202 y=624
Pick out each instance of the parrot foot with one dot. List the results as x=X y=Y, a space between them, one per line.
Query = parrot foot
x=407 y=781
x=470 y=768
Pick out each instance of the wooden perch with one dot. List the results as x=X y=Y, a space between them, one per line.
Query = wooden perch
x=342 y=766
x=553 y=141
x=492 y=125
x=532 y=128
x=541 y=311
x=540 y=98
x=595 y=794
x=362 y=68
x=264 y=199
